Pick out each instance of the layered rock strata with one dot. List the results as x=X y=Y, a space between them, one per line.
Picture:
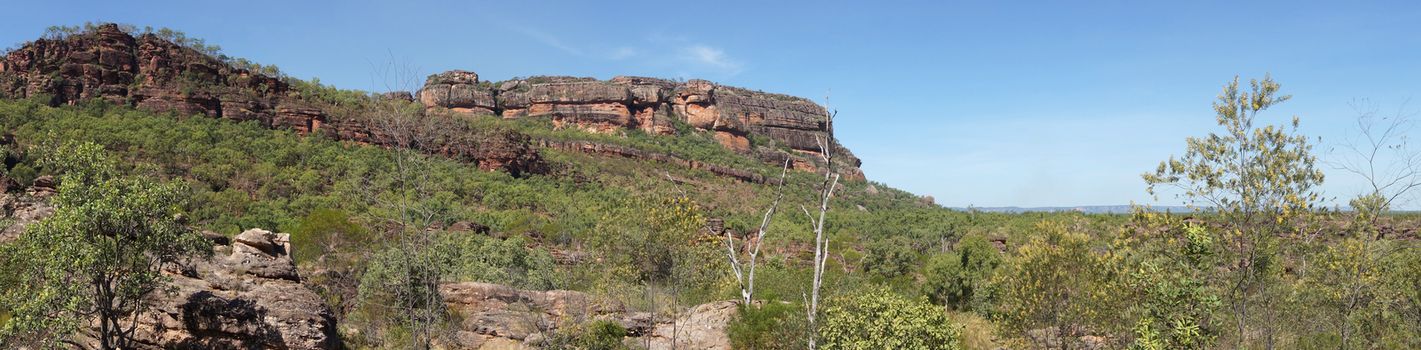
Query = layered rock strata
x=648 y=104
x=151 y=73
x=154 y=74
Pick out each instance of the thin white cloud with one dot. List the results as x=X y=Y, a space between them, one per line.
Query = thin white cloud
x=622 y=53
x=676 y=52
x=549 y=40
x=712 y=57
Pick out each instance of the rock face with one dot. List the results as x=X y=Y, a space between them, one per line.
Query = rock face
x=500 y=317
x=248 y=296
x=151 y=73
x=23 y=209
x=647 y=104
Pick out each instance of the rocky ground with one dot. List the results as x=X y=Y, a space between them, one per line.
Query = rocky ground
x=495 y=316
x=249 y=295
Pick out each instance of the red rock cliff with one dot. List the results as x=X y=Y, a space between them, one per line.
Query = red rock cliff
x=649 y=104
x=151 y=73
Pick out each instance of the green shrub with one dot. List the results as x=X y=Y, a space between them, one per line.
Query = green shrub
x=472 y=257
x=890 y=257
x=322 y=231
x=594 y=335
x=879 y=318
x=1058 y=281
x=773 y=325
x=960 y=279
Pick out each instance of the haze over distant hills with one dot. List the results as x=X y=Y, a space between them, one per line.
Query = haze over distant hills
x=1088 y=209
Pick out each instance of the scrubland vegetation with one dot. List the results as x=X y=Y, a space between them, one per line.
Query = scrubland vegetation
x=1261 y=265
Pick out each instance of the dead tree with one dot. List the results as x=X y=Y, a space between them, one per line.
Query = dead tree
x=404 y=126
x=745 y=273
x=821 y=241
x=1380 y=154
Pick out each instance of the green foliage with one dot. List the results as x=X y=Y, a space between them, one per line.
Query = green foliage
x=1360 y=287
x=1259 y=180
x=660 y=242
x=1057 y=281
x=960 y=279
x=472 y=257
x=99 y=254
x=324 y=231
x=881 y=319
x=398 y=293
x=1170 y=274
x=594 y=335
x=890 y=257
x=771 y=325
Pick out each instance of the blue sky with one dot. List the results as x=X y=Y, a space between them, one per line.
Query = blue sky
x=986 y=103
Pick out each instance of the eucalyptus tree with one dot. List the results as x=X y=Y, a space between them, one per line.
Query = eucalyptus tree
x=98 y=258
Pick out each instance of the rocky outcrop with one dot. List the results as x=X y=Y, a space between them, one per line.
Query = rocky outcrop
x=151 y=73
x=23 y=208
x=500 y=317
x=702 y=327
x=648 y=104
x=247 y=296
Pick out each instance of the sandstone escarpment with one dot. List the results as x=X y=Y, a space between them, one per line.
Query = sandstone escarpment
x=649 y=104
x=151 y=73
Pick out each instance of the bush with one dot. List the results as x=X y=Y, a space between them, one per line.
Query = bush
x=322 y=232
x=773 y=325
x=879 y=318
x=890 y=258
x=594 y=335
x=472 y=257
x=1057 y=281
x=960 y=279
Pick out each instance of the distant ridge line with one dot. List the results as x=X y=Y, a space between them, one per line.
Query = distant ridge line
x=1088 y=209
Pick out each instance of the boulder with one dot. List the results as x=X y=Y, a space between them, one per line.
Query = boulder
x=501 y=317
x=702 y=327
x=246 y=296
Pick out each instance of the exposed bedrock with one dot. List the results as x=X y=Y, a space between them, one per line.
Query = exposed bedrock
x=732 y=114
x=151 y=73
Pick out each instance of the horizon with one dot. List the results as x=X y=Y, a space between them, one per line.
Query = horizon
x=974 y=105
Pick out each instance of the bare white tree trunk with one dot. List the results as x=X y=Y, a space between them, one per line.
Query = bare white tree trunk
x=821 y=241
x=745 y=275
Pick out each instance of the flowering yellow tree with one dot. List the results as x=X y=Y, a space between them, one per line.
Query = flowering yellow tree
x=1057 y=282
x=1257 y=179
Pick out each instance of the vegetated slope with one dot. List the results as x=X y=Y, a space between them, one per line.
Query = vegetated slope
x=623 y=190
x=304 y=158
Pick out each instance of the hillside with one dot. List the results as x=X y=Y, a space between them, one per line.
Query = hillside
x=561 y=165
x=577 y=213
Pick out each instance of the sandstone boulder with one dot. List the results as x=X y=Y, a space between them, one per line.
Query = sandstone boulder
x=500 y=317
x=247 y=296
